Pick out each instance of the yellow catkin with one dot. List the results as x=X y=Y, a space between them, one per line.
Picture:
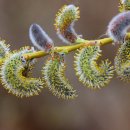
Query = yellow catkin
x=122 y=62
x=54 y=77
x=15 y=74
x=89 y=72
x=64 y=23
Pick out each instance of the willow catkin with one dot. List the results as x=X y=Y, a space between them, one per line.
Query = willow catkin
x=39 y=38
x=15 y=74
x=64 y=23
x=54 y=77
x=118 y=26
x=122 y=62
x=89 y=72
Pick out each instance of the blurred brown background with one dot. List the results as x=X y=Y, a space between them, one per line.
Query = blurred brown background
x=107 y=109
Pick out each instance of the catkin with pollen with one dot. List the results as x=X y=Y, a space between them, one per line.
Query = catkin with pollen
x=54 y=77
x=122 y=62
x=64 y=23
x=15 y=74
x=89 y=72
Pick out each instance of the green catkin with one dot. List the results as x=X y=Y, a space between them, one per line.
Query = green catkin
x=4 y=49
x=89 y=72
x=15 y=74
x=122 y=62
x=55 y=79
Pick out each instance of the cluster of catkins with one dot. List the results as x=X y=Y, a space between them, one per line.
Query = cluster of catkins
x=16 y=69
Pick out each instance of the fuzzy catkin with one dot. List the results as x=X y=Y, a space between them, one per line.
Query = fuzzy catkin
x=118 y=27
x=89 y=72
x=39 y=38
x=122 y=62
x=64 y=23
x=54 y=77
x=15 y=74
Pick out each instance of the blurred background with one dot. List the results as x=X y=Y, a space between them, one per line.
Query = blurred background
x=107 y=109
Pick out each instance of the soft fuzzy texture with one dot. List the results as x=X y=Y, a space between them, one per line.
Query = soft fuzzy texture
x=64 y=23
x=54 y=77
x=89 y=72
x=4 y=49
x=15 y=74
x=122 y=62
x=118 y=27
x=39 y=38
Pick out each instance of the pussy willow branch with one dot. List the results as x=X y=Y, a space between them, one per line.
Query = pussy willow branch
x=79 y=43
x=66 y=49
